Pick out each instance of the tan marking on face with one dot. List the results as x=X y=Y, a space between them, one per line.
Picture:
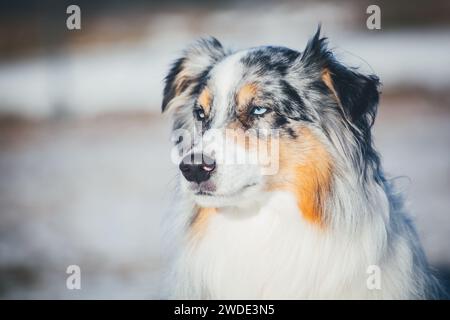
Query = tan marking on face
x=201 y=219
x=328 y=80
x=305 y=170
x=205 y=100
x=245 y=95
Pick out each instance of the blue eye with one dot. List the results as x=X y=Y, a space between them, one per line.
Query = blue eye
x=259 y=111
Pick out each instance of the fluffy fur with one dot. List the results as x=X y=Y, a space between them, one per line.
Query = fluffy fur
x=315 y=226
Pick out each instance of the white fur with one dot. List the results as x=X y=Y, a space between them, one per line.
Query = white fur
x=265 y=250
x=225 y=77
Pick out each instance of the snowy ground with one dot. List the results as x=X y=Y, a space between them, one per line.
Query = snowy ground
x=89 y=193
x=92 y=193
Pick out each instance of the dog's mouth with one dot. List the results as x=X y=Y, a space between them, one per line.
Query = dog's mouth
x=237 y=193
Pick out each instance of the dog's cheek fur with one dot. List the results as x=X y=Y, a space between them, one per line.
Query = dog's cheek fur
x=306 y=170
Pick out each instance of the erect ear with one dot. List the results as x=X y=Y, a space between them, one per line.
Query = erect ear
x=188 y=70
x=355 y=93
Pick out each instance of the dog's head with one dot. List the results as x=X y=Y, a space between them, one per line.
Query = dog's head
x=267 y=118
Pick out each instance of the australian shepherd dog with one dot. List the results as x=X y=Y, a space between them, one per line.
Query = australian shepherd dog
x=281 y=193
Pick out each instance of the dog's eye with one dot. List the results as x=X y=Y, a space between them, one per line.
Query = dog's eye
x=199 y=114
x=258 y=111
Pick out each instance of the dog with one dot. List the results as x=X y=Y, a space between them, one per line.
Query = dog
x=314 y=216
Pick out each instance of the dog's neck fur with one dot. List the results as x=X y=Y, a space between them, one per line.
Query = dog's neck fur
x=263 y=249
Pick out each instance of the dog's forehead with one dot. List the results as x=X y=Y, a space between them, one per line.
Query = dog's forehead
x=224 y=79
x=226 y=75
x=254 y=64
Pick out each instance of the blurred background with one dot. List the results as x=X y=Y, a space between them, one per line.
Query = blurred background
x=85 y=172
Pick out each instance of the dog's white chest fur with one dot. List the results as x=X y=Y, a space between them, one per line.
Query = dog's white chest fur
x=271 y=252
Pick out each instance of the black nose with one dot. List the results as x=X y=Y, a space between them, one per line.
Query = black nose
x=197 y=167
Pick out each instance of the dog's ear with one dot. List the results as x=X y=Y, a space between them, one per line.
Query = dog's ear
x=188 y=70
x=357 y=94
